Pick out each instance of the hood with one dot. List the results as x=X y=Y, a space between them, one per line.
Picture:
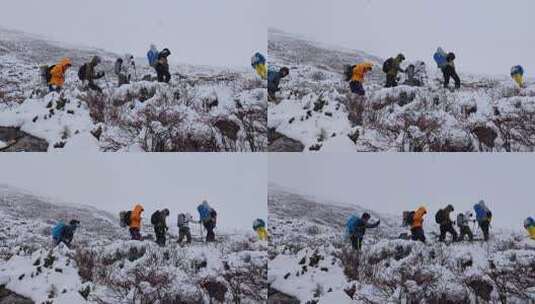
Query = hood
x=64 y=62
x=440 y=50
x=153 y=48
x=421 y=210
x=138 y=208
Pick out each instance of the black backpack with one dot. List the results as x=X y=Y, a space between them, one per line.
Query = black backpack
x=48 y=74
x=126 y=218
x=387 y=65
x=408 y=218
x=439 y=216
x=348 y=72
x=155 y=218
x=81 y=72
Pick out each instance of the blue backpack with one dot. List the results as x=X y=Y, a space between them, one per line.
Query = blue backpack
x=204 y=212
x=529 y=222
x=351 y=224
x=481 y=213
x=517 y=70
x=258 y=59
x=57 y=231
x=152 y=56
x=440 y=59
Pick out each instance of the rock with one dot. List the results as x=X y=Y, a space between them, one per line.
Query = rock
x=20 y=141
x=315 y=147
x=228 y=128
x=277 y=297
x=97 y=132
x=281 y=143
x=9 y=297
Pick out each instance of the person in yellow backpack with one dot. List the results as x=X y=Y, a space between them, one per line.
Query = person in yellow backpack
x=529 y=224
x=517 y=73
x=260 y=227
x=258 y=62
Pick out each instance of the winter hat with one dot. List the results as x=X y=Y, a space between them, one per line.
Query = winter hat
x=366 y=215
x=284 y=70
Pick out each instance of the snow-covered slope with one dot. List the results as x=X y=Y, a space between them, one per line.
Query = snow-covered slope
x=202 y=109
x=312 y=262
x=316 y=111
x=103 y=266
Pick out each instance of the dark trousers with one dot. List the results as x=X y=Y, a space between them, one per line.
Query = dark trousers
x=465 y=230
x=159 y=231
x=447 y=228
x=52 y=88
x=135 y=234
x=163 y=73
x=391 y=80
x=210 y=235
x=184 y=232
x=356 y=242
x=484 y=225
x=449 y=72
x=417 y=234
x=357 y=88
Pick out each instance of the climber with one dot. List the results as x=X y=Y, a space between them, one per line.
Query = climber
x=517 y=73
x=442 y=218
x=483 y=217
x=56 y=77
x=529 y=224
x=416 y=74
x=463 y=222
x=135 y=222
x=356 y=228
x=391 y=67
x=208 y=218
x=123 y=69
x=260 y=227
x=258 y=62
x=417 y=230
x=158 y=221
x=274 y=78
x=87 y=72
x=446 y=64
x=184 y=231
x=64 y=233
x=152 y=55
x=162 y=66
x=358 y=73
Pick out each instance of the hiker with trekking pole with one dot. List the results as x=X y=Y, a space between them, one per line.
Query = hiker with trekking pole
x=356 y=229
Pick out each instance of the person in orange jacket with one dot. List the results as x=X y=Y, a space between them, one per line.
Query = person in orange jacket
x=417 y=230
x=357 y=78
x=135 y=222
x=57 y=75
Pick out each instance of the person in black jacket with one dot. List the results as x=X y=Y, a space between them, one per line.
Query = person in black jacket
x=158 y=220
x=449 y=72
x=162 y=66
x=446 y=225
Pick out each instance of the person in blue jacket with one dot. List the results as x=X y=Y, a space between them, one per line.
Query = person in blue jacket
x=64 y=233
x=356 y=228
x=274 y=78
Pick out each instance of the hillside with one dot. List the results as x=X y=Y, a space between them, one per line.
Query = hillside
x=201 y=109
x=103 y=266
x=315 y=110
x=312 y=262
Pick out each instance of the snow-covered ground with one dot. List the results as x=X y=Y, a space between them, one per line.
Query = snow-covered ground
x=201 y=109
x=316 y=111
x=312 y=262
x=103 y=266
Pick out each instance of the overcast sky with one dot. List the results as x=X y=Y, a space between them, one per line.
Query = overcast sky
x=488 y=36
x=207 y=32
x=235 y=184
x=395 y=182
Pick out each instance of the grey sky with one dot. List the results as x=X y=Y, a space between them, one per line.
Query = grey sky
x=395 y=182
x=488 y=36
x=206 y=32
x=234 y=184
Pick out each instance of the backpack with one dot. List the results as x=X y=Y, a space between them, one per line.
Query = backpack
x=81 y=72
x=408 y=218
x=388 y=64
x=258 y=223
x=460 y=220
x=57 y=231
x=439 y=216
x=46 y=73
x=182 y=219
x=529 y=222
x=204 y=212
x=352 y=223
x=258 y=59
x=348 y=72
x=155 y=218
x=440 y=59
x=124 y=218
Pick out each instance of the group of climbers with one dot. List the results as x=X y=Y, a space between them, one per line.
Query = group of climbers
x=356 y=226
